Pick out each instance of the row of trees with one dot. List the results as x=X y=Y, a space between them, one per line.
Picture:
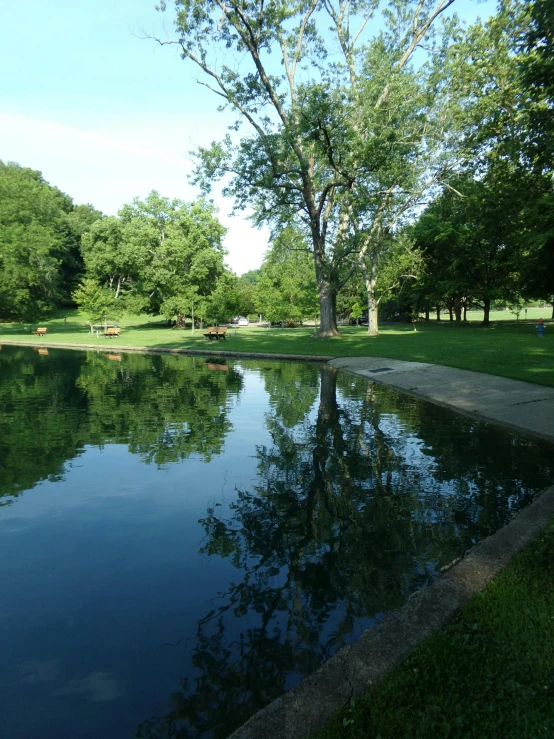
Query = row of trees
x=355 y=132
x=415 y=163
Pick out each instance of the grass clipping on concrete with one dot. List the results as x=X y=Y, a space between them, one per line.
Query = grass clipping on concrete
x=488 y=674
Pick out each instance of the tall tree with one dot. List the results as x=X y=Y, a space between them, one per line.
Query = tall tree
x=286 y=290
x=35 y=242
x=179 y=252
x=298 y=163
x=473 y=235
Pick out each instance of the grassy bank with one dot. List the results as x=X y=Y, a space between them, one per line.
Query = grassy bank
x=506 y=349
x=488 y=674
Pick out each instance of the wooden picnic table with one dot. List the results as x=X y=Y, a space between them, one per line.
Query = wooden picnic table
x=215 y=333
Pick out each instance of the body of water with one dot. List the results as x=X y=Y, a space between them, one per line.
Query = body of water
x=182 y=540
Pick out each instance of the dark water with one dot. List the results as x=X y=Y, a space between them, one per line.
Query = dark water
x=182 y=541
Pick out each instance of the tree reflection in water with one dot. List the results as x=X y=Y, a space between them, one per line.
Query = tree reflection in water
x=164 y=408
x=358 y=503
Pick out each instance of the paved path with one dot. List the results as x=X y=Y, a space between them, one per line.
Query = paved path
x=518 y=405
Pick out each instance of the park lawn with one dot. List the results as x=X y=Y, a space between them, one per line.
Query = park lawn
x=490 y=673
x=505 y=349
x=533 y=314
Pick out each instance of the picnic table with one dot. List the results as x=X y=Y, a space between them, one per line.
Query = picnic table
x=215 y=333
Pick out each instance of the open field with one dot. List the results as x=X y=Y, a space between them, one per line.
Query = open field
x=505 y=349
x=490 y=673
x=533 y=314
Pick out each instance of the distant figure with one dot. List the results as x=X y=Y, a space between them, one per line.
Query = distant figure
x=540 y=328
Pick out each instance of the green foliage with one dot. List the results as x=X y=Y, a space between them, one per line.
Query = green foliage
x=96 y=302
x=36 y=241
x=341 y=146
x=471 y=239
x=286 y=289
x=356 y=311
x=178 y=252
x=159 y=255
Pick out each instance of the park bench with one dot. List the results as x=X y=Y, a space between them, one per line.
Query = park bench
x=215 y=333
x=40 y=331
x=112 y=332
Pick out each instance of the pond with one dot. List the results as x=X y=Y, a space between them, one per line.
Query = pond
x=184 y=539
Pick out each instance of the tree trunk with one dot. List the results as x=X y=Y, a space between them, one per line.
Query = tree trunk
x=327 y=311
x=180 y=321
x=327 y=291
x=487 y=311
x=427 y=313
x=458 y=311
x=465 y=310
x=450 y=313
x=438 y=313
x=370 y=279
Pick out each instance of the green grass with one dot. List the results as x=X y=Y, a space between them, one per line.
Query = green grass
x=488 y=674
x=533 y=314
x=506 y=349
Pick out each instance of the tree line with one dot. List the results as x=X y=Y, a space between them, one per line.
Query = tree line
x=411 y=173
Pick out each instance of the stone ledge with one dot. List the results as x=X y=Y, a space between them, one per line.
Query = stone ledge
x=163 y=350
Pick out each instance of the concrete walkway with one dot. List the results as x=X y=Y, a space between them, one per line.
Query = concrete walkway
x=518 y=405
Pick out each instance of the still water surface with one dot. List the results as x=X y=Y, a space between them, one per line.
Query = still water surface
x=182 y=540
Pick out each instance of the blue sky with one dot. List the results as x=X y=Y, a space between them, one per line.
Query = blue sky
x=107 y=115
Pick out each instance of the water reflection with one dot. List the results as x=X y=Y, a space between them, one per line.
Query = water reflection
x=357 y=506
x=163 y=408
x=344 y=498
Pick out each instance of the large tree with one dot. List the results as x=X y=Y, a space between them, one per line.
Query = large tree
x=300 y=162
x=472 y=240
x=161 y=255
x=36 y=240
x=286 y=291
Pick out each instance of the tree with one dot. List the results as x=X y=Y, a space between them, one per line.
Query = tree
x=35 y=243
x=109 y=257
x=472 y=236
x=536 y=62
x=178 y=252
x=97 y=302
x=300 y=160
x=286 y=290
x=537 y=68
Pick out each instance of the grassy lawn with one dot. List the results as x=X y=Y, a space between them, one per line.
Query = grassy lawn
x=533 y=314
x=506 y=348
x=488 y=674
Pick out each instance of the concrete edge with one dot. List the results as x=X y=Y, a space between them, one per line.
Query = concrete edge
x=355 y=668
x=475 y=415
x=163 y=350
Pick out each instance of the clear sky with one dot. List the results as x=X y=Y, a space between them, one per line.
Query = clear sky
x=108 y=115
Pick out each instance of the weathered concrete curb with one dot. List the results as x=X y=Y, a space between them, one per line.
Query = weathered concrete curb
x=352 y=670
x=521 y=406
x=163 y=350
